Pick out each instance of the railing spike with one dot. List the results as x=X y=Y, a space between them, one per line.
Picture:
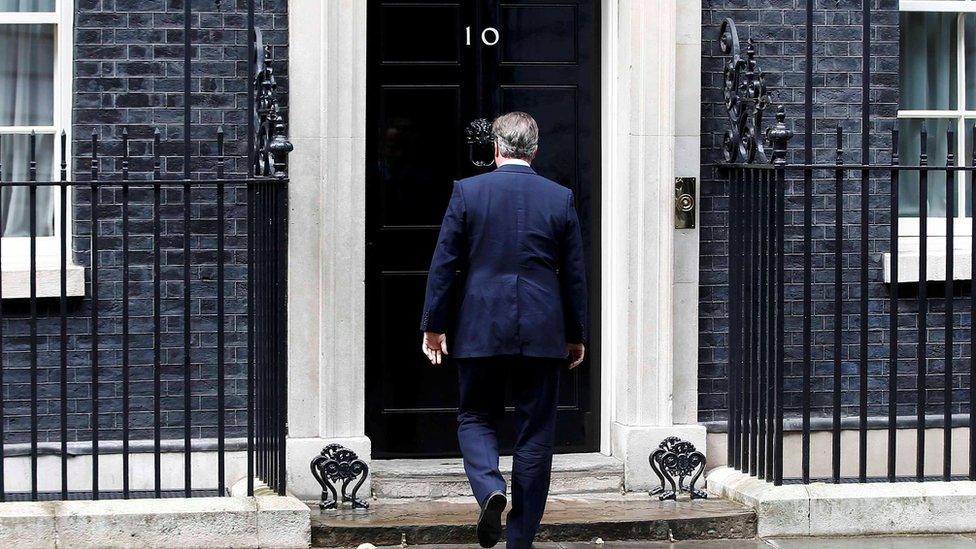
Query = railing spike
x=951 y=146
x=64 y=155
x=924 y=145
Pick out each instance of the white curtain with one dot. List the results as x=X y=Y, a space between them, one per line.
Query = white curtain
x=26 y=99
x=928 y=82
x=27 y=5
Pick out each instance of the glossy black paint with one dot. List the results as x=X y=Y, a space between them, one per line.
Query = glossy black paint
x=425 y=85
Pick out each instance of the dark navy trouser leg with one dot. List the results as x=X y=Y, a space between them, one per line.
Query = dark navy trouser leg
x=535 y=388
x=481 y=407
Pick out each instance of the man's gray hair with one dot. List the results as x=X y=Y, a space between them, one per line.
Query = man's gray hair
x=517 y=135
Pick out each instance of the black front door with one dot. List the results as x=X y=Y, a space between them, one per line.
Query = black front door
x=434 y=66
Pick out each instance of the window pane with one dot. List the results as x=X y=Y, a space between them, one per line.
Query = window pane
x=928 y=61
x=15 y=200
x=970 y=60
x=909 y=142
x=968 y=187
x=27 y=5
x=26 y=75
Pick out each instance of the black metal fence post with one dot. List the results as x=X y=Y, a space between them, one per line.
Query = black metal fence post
x=94 y=311
x=63 y=313
x=893 y=322
x=921 y=385
x=949 y=295
x=780 y=136
x=838 y=303
x=125 y=313
x=32 y=206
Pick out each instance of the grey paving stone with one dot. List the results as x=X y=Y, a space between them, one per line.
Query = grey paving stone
x=894 y=542
x=688 y=544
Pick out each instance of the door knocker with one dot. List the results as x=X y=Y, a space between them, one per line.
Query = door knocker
x=480 y=143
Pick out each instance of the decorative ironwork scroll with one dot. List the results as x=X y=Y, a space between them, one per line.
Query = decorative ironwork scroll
x=478 y=136
x=337 y=464
x=271 y=144
x=746 y=98
x=677 y=458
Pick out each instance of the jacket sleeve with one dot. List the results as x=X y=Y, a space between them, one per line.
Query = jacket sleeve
x=572 y=277
x=448 y=254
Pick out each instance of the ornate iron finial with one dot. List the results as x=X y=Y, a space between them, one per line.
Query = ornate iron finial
x=271 y=143
x=279 y=148
x=779 y=135
x=677 y=458
x=338 y=463
x=746 y=98
x=478 y=136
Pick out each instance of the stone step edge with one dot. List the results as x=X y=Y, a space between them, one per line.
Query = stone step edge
x=404 y=488
x=738 y=525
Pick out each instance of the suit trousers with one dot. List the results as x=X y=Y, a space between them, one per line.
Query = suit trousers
x=535 y=385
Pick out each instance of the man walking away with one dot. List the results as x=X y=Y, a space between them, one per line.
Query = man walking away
x=522 y=319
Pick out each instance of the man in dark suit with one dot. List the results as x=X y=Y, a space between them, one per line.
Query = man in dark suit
x=522 y=316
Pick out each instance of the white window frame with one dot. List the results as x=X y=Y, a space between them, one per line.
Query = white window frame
x=16 y=250
x=909 y=228
x=937 y=5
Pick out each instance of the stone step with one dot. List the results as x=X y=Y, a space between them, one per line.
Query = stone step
x=444 y=478
x=579 y=518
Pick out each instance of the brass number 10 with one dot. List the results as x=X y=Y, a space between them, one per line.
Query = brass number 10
x=489 y=36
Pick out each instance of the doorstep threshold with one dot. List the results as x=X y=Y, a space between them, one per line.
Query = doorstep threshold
x=439 y=467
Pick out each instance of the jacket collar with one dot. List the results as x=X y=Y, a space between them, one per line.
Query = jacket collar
x=518 y=168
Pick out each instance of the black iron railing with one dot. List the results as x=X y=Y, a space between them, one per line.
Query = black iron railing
x=937 y=348
x=810 y=312
x=156 y=303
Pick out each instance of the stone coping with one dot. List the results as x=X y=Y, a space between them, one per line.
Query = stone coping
x=822 y=509
x=265 y=521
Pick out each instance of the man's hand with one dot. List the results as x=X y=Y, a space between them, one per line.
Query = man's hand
x=434 y=346
x=576 y=352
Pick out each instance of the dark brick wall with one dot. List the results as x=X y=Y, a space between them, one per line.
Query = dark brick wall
x=778 y=29
x=128 y=72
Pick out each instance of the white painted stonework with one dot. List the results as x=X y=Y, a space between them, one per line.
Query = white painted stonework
x=851 y=509
x=231 y=522
x=16 y=281
x=650 y=59
x=327 y=246
x=650 y=270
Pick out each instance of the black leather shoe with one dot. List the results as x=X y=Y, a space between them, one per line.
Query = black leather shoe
x=490 y=521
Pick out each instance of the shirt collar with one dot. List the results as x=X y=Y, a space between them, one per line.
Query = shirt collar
x=514 y=161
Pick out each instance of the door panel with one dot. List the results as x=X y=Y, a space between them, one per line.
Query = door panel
x=424 y=84
x=412 y=190
x=538 y=34
x=554 y=109
x=399 y=40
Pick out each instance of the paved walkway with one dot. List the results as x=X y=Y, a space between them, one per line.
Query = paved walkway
x=967 y=541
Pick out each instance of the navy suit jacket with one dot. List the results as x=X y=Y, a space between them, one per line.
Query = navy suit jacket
x=515 y=237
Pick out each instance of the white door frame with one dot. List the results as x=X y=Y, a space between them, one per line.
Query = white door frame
x=651 y=52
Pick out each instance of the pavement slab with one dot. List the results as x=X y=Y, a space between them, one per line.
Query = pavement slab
x=950 y=541
x=875 y=542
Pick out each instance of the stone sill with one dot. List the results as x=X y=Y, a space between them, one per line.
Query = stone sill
x=820 y=509
x=16 y=280
x=935 y=266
